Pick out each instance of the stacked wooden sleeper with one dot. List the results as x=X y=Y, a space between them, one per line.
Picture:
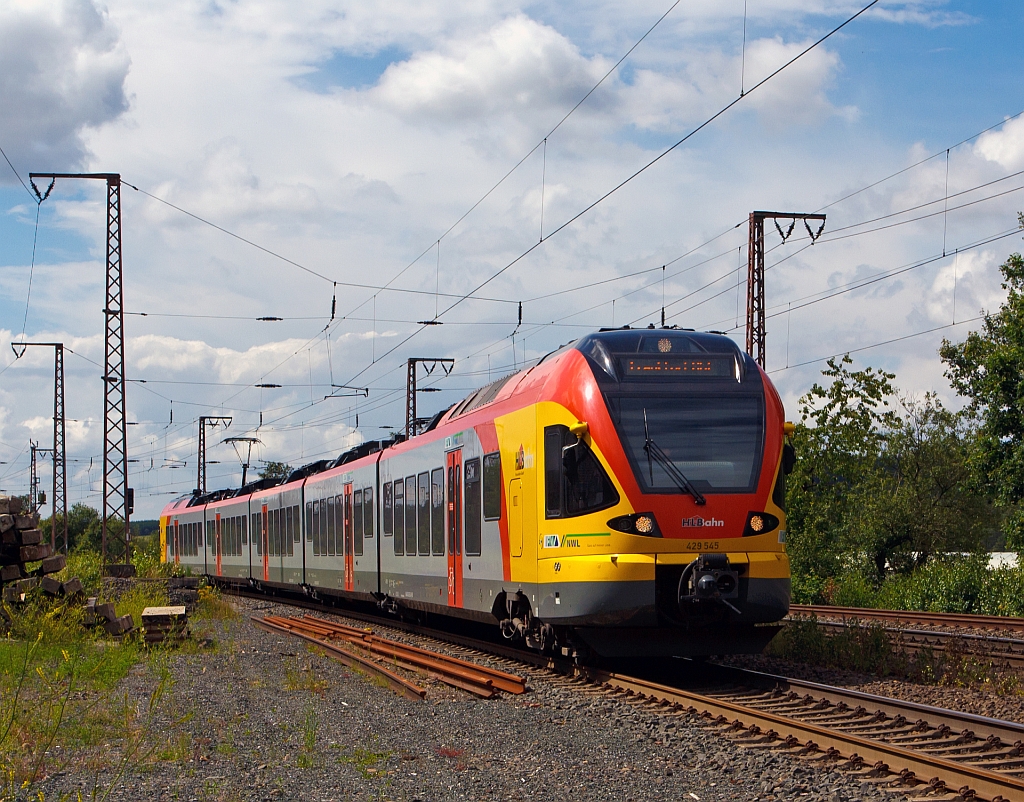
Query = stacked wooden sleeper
x=21 y=542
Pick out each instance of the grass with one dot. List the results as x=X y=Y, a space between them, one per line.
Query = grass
x=60 y=702
x=211 y=606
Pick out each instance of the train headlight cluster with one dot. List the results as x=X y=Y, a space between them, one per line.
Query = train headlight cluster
x=758 y=523
x=639 y=523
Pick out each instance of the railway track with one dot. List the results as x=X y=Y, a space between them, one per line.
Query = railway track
x=1000 y=650
x=919 y=749
x=962 y=620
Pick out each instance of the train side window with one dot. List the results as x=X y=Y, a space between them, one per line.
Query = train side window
x=318 y=542
x=399 y=516
x=257 y=534
x=387 y=510
x=331 y=526
x=245 y=539
x=472 y=506
x=236 y=525
x=227 y=539
x=287 y=530
x=309 y=521
x=199 y=533
x=210 y=537
x=410 y=515
x=575 y=483
x=357 y=523
x=296 y=520
x=437 y=510
x=369 y=512
x=492 y=486
x=424 y=513
x=553 y=437
x=275 y=533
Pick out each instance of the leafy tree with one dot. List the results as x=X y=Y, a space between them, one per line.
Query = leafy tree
x=876 y=490
x=921 y=501
x=276 y=470
x=836 y=454
x=988 y=368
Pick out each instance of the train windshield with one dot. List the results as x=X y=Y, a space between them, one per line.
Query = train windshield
x=715 y=441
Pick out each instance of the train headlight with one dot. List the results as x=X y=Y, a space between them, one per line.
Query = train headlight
x=758 y=523
x=639 y=523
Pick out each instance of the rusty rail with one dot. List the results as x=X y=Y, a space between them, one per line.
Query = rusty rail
x=476 y=679
x=396 y=682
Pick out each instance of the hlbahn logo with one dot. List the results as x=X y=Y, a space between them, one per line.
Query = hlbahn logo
x=520 y=458
x=701 y=522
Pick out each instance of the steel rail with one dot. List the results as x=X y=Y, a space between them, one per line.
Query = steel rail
x=479 y=680
x=397 y=683
x=957 y=720
x=986 y=784
x=511 y=683
x=911 y=617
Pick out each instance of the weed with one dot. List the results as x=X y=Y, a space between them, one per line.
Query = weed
x=310 y=725
x=303 y=679
x=212 y=606
x=366 y=761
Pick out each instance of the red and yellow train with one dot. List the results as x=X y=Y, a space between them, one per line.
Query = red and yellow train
x=625 y=496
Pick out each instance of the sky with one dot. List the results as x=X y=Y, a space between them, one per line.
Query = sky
x=355 y=168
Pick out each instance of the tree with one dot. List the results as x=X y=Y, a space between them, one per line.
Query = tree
x=988 y=369
x=877 y=490
x=836 y=455
x=276 y=470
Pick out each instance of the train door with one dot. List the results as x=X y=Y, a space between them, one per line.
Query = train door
x=265 y=539
x=216 y=530
x=515 y=518
x=349 y=540
x=455 y=506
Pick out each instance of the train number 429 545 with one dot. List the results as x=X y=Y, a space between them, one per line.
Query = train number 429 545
x=702 y=545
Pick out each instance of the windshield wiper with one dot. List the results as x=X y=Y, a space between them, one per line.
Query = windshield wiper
x=655 y=453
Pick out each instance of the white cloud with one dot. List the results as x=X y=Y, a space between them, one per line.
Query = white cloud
x=62 y=70
x=518 y=67
x=1004 y=146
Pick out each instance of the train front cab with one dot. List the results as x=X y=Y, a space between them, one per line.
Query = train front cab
x=627 y=560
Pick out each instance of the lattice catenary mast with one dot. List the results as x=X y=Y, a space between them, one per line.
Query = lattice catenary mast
x=117 y=496
x=755 y=271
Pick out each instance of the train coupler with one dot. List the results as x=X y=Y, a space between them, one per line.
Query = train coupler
x=709 y=578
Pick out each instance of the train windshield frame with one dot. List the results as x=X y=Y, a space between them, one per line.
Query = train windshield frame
x=715 y=439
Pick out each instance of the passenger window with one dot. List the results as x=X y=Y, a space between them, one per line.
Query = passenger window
x=245 y=539
x=492 y=486
x=318 y=544
x=437 y=510
x=575 y=483
x=357 y=522
x=297 y=533
x=472 y=507
x=369 y=513
x=553 y=470
x=309 y=522
x=424 y=513
x=399 y=517
x=410 y=515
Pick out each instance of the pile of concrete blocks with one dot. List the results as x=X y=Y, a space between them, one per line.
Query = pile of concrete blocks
x=97 y=614
x=21 y=542
x=165 y=624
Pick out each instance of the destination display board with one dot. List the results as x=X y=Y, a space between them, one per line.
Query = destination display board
x=653 y=367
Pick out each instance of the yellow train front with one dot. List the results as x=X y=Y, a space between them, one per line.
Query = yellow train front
x=623 y=497
x=643 y=474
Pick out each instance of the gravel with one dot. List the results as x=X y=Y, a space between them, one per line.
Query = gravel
x=258 y=716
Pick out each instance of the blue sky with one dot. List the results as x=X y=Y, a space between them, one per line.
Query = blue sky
x=349 y=138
